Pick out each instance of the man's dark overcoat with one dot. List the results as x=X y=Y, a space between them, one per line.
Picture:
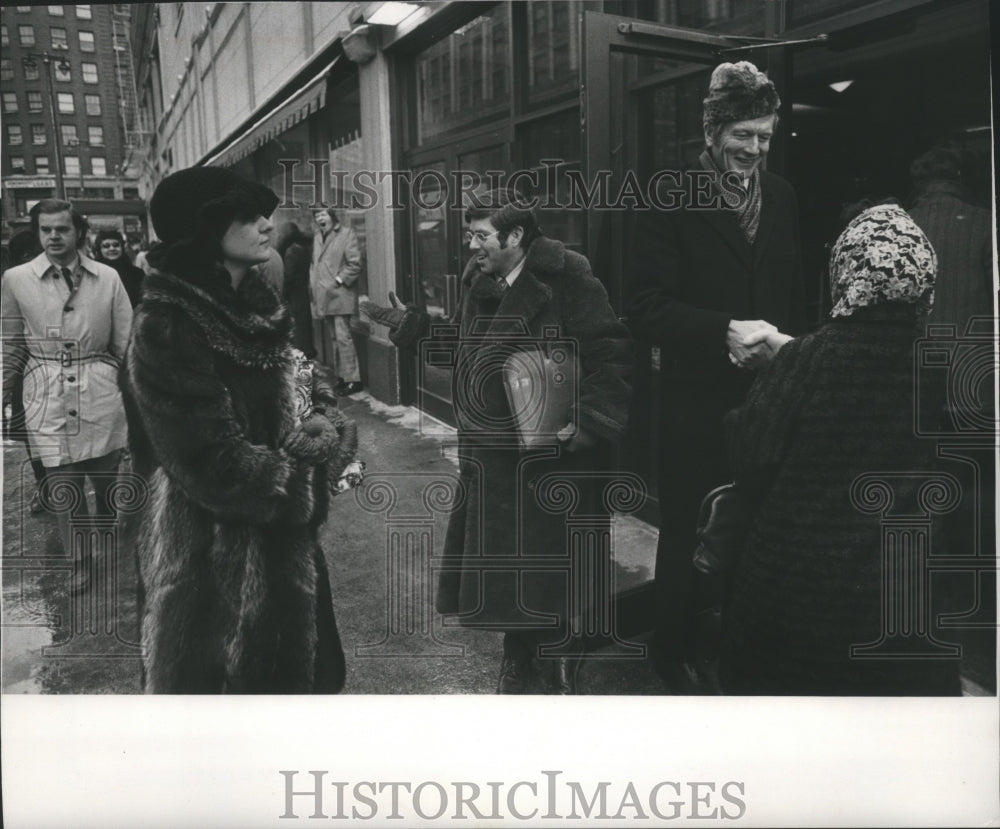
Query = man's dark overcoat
x=694 y=271
x=510 y=505
x=236 y=590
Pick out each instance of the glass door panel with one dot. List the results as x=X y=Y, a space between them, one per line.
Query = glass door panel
x=430 y=233
x=643 y=87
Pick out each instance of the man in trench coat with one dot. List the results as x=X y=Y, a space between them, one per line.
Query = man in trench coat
x=522 y=292
x=722 y=265
x=333 y=276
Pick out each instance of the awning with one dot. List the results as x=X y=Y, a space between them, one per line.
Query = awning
x=303 y=103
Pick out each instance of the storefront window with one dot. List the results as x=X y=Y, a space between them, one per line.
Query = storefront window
x=465 y=78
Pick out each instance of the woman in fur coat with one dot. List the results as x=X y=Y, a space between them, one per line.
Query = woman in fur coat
x=235 y=595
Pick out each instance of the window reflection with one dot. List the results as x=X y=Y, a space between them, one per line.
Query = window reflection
x=734 y=16
x=465 y=77
x=555 y=138
x=432 y=237
x=553 y=47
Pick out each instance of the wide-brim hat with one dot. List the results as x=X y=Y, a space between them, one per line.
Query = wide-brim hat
x=201 y=203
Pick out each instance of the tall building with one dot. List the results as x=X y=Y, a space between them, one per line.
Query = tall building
x=68 y=114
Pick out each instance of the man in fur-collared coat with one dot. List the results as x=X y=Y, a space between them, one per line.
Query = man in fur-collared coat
x=522 y=292
x=235 y=591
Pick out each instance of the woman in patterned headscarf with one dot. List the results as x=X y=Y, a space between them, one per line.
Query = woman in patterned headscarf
x=805 y=613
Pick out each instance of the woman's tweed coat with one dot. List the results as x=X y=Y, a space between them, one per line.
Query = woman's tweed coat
x=507 y=507
x=832 y=406
x=237 y=596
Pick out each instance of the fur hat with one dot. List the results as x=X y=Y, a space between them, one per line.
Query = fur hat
x=738 y=92
x=201 y=202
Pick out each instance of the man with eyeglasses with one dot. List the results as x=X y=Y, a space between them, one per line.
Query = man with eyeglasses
x=525 y=296
x=66 y=322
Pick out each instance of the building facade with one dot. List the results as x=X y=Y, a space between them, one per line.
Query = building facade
x=67 y=104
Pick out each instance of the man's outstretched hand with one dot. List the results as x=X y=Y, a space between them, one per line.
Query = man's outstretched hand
x=389 y=316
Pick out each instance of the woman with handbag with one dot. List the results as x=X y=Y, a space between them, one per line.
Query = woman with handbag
x=806 y=595
x=238 y=445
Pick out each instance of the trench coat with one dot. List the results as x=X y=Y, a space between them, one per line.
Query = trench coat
x=694 y=271
x=69 y=348
x=509 y=508
x=336 y=256
x=236 y=591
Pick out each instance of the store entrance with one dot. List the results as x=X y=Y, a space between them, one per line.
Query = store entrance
x=860 y=117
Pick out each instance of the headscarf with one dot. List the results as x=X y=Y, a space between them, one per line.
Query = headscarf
x=882 y=257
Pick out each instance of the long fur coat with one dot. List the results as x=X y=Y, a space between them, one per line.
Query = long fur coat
x=236 y=592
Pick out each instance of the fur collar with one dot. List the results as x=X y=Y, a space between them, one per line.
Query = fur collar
x=249 y=325
x=526 y=297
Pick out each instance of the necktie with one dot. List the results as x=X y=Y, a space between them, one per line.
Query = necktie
x=67 y=274
x=502 y=282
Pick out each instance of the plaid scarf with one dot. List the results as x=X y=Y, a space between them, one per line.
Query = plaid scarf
x=747 y=206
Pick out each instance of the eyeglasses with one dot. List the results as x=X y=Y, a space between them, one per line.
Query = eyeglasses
x=478 y=235
x=111 y=244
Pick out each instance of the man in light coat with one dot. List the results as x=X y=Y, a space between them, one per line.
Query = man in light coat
x=333 y=276
x=66 y=322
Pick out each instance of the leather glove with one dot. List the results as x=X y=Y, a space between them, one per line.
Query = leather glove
x=315 y=441
x=391 y=317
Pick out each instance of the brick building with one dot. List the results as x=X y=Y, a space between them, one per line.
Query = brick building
x=67 y=103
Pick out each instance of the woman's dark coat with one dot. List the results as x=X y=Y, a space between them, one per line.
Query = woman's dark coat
x=131 y=276
x=832 y=406
x=237 y=596
x=693 y=272
x=499 y=512
x=296 y=290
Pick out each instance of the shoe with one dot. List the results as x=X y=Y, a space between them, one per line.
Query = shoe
x=565 y=669
x=350 y=388
x=35 y=507
x=564 y=672
x=515 y=675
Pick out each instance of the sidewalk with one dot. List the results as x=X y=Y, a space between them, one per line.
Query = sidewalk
x=393 y=640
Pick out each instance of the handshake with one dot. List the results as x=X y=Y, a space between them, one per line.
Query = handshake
x=753 y=343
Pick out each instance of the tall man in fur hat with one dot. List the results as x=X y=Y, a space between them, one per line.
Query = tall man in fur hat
x=705 y=280
x=521 y=293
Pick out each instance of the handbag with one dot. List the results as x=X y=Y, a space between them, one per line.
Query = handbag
x=541 y=390
x=723 y=526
